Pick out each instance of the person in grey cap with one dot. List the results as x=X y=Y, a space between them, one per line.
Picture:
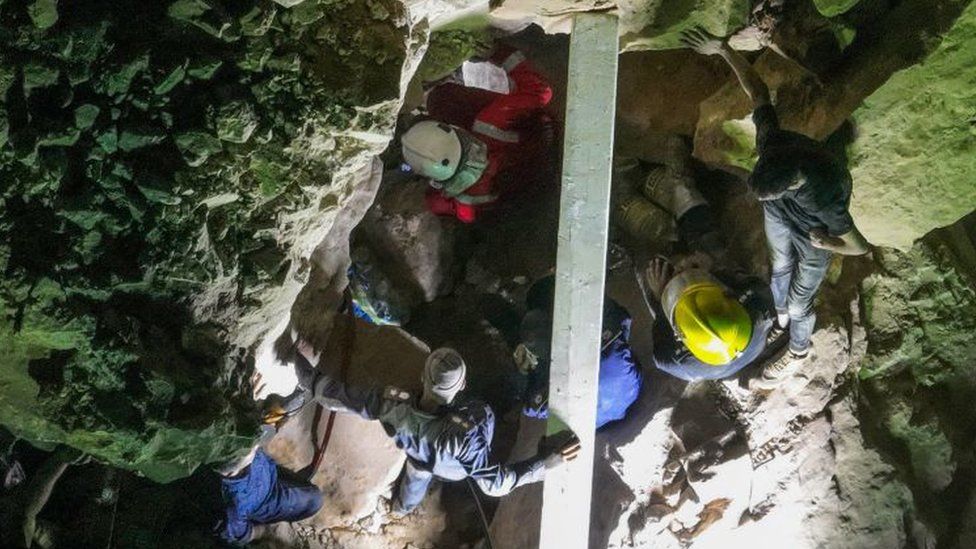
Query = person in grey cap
x=444 y=435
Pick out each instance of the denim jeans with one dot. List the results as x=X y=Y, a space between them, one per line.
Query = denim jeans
x=413 y=487
x=263 y=495
x=798 y=268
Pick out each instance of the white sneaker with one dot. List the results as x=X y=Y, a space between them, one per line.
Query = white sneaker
x=775 y=372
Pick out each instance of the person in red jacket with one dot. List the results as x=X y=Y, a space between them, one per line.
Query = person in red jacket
x=479 y=146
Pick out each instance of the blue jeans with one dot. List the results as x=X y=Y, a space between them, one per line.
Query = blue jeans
x=261 y=496
x=798 y=270
x=413 y=487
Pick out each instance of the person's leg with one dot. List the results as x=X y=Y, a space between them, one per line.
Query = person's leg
x=810 y=272
x=779 y=239
x=413 y=487
x=648 y=224
x=673 y=191
x=290 y=500
x=698 y=230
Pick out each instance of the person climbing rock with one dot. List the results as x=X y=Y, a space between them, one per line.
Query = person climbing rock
x=445 y=434
x=256 y=493
x=620 y=376
x=805 y=192
x=477 y=146
x=706 y=326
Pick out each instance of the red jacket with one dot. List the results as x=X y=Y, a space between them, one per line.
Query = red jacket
x=502 y=122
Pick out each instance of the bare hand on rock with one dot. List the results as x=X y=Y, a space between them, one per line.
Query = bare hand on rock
x=659 y=272
x=566 y=452
x=257 y=386
x=702 y=41
x=819 y=238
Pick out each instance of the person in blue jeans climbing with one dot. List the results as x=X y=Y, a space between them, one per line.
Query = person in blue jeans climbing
x=257 y=493
x=805 y=191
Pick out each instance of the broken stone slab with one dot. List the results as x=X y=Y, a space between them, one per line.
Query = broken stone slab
x=361 y=461
x=900 y=194
x=361 y=464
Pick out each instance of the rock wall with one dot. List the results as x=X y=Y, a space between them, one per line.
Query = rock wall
x=166 y=201
x=906 y=70
x=915 y=154
x=919 y=377
x=644 y=24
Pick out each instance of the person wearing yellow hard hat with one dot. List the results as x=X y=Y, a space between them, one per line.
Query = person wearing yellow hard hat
x=704 y=327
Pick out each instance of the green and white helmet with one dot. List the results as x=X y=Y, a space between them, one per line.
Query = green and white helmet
x=433 y=149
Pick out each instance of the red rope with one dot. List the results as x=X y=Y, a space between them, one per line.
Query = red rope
x=348 y=346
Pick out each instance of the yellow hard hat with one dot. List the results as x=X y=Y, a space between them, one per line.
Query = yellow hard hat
x=714 y=327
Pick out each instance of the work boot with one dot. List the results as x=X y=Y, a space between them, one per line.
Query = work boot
x=780 y=369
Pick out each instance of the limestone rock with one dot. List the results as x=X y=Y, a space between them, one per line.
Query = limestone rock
x=643 y=25
x=417 y=249
x=662 y=95
x=920 y=312
x=915 y=154
x=721 y=465
x=199 y=258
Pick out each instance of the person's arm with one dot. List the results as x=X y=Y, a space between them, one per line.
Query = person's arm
x=499 y=480
x=706 y=44
x=336 y=395
x=850 y=243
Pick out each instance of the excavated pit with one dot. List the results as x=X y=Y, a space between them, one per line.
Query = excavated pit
x=871 y=446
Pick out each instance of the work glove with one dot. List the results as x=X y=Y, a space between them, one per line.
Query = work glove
x=277 y=408
x=559 y=449
x=525 y=360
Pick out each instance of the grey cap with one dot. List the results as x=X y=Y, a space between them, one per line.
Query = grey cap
x=444 y=375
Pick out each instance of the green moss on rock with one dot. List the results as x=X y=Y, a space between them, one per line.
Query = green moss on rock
x=44 y=13
x=915 y=156
x=125 y=267
x=833 y=8
x=448 y=49
x=920 y=370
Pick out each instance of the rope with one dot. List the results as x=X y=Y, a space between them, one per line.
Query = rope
x=348 y=345
x=481 y=512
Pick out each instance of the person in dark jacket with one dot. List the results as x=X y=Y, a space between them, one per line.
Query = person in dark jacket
x=706 y=325
x=805 y=193
x=620 y=377
x=445 y=434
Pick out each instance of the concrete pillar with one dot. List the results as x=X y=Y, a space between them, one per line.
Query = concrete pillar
x=580 y=273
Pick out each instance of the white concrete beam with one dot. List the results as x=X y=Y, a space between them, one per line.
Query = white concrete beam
x=580 y=273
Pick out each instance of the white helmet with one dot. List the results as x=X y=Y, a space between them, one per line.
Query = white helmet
x=433 y=149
